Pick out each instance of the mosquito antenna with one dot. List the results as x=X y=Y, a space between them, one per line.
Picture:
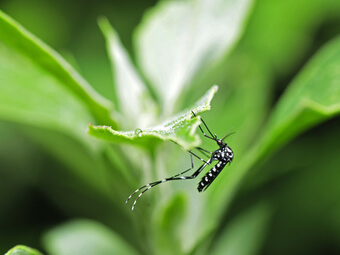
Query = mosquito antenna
x=228 y=134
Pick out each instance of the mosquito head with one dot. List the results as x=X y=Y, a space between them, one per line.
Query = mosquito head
x=220 y=142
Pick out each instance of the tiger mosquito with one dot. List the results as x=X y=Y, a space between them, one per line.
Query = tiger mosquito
x=223 y=155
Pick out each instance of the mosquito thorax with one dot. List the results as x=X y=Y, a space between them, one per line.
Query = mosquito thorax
x=229 y=153
x=224 y=153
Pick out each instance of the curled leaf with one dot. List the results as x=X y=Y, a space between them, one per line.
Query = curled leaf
x=179 y=129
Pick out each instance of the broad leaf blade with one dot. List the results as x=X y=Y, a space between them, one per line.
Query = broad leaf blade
x=30 y=96
x=85 y=237
x=22 y=250
x=14 y=38
x=45 y=96
x=313 y=97
x=134 y=100
x=179 y=129
x=179 y=39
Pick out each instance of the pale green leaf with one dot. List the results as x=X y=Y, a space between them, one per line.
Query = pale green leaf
x=179 y=39
x=30 y=96
x=35 y=79
x=85 y=237
x=179 y=129
x=134 y=100
x=22 y=250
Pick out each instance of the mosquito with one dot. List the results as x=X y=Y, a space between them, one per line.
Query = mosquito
x=223 y=155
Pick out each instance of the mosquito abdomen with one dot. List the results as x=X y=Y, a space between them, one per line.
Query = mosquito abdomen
x=211 y=176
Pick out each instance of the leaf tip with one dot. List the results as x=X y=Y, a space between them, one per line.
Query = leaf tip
x=105 y=27
x=214 y=88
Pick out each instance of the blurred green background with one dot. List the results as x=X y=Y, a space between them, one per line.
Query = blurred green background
x=299 y=183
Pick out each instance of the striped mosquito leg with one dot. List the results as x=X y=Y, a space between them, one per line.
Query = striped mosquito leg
x=198 y=157
x=205 y=152
x=192 y=166
x=127 y=200
x=173 y=178
x=150 y=185
x=145 y=188
x=210 y=137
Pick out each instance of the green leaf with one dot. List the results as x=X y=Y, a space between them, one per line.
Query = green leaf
x=296 y=178
x=313 y=97
x=85 y=237
x=22 y=250
x=42 y=97
x=167 y=223
x=180 y=129
x=179 y=39
x=134 y=100
x=37 y=85
x=33 y=97
x=251 y=226
x=250 y=76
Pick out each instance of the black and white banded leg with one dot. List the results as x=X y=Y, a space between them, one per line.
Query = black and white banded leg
x=212 y=137
x=148 y=186
x=193 y=154
x=204 y=152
